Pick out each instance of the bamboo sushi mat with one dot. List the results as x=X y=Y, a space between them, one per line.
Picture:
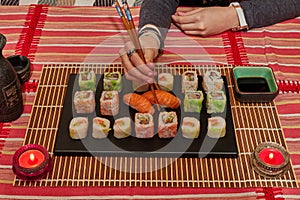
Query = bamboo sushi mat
x=254 y=123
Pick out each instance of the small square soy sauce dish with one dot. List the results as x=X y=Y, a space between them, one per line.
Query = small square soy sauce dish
x=254 y=84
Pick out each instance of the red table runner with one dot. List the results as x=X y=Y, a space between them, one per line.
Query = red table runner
x=94 y=35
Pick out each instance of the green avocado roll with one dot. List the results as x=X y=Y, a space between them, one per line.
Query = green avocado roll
x=112 y=81
x=216 y=102
x=193 y=101
x=87 y=80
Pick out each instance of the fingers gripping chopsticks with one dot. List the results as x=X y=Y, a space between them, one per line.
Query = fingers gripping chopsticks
x=130 y=27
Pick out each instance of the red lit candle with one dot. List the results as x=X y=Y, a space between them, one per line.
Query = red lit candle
x=270 y=159
x=31 y=158
x=31 y=162
x=271 y=156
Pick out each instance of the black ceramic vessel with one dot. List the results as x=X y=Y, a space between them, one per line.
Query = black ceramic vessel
x=11 y=103
x=21 y=64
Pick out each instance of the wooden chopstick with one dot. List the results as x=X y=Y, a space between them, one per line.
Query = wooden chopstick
x=130 y=27
x=122 y=16
x=134 y=38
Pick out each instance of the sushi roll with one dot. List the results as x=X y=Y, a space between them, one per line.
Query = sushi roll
x=78 y=128
x=190 y=127
x=87 y=80
x=189 y=81
x=112 y=81
x=122 y=127
x=140 y=86
x=193 y=101
x=212 y=81
x=101 y=127
x=166 y=81
x=216 y=102
x=216 y=127
x=109 y=103
x=84 y=101
x=167 y=124
x=144 y=125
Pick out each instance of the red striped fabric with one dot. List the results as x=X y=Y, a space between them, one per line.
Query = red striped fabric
x=94 y=35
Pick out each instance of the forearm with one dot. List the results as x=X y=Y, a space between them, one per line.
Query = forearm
x=259 y=13
x=158 y=13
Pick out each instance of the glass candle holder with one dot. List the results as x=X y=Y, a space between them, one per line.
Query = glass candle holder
x=270 y=160
x=31 y=162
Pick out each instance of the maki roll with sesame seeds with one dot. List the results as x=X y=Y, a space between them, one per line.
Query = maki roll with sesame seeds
x=167 y=124
x=84 y=101
x=212 y=81
x=109 y=103
x=189 y=81
x=144 y=125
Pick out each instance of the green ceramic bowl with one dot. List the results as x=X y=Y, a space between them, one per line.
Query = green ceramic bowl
x=254 y=84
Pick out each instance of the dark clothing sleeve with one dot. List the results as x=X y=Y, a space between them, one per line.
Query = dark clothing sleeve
x=259 y=13
x=158 y=13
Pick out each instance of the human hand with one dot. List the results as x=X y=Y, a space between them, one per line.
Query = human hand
x=135 y=68
x=205 y=21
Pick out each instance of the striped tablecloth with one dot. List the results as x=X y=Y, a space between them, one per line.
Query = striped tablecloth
x=76 y=35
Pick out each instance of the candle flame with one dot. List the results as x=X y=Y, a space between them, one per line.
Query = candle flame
x=271 y=155
x=32 y=157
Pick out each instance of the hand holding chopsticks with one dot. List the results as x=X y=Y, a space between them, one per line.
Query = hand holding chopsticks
x=133 y=57
x=128 y=23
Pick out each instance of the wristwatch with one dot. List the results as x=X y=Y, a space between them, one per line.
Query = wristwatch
x=240 y=13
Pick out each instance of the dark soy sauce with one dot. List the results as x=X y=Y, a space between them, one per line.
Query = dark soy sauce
x=253 y=84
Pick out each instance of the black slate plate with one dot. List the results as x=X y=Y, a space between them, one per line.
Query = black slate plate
x=179 y=146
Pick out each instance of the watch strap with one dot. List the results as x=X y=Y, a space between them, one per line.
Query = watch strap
x=242 y=20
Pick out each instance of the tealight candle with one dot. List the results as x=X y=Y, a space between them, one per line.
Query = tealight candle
x=31 y=162
x=271 y=156
x=31 y=158
x=270 y=159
